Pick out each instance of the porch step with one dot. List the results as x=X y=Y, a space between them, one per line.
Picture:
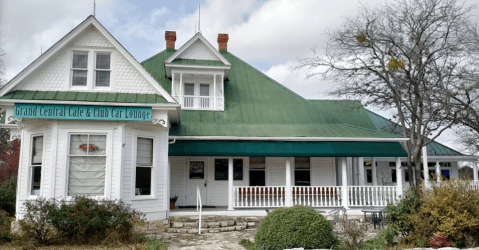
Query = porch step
x=212 y=223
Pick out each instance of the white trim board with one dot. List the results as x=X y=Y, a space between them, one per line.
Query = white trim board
x=246 y=138
x=91 y=20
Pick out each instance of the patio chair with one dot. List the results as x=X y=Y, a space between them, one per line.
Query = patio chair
x=335 y=215
x=267 y=211
x=366 y=218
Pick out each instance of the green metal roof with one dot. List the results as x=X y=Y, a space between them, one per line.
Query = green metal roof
x=286 y=149
x=434 y=148
x=256 y=105
x=85 y=96
x=344 y=111
x=198 y=62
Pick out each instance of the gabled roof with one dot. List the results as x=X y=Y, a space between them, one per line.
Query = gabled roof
x=91 y=20
x=434 y=148
x=258 y=106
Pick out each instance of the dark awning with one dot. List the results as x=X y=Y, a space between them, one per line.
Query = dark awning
x=286 y=148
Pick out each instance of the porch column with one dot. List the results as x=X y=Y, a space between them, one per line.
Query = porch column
x=173 y=85
x=344 y=182
x=288 y=191
x=230 y=183
x=214 y=91
x=399 y=177
x=361 y=171
x=438 y=171
x=181 y=90
x=474 y=169
x=375 y=171
x=425 y=167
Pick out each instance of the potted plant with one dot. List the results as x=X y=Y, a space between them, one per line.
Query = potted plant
x=173 y=201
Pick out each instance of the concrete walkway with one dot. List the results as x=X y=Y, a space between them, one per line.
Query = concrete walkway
x=208 y=241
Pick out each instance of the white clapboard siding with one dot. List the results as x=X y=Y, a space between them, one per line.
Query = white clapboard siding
x=322 y=171
x=218 y=189
x=177 y=178
x=276 y=171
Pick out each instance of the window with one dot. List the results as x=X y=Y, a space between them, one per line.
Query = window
x=197 y=95
x=257 y=166
x=221 y=169
x=446 y=174
x=36 y=164
x=302 y=171
x=87 y=164
x=369 y=175
x=102 y=70
x=79 y=68
x=406 y=175
x=197 y=169
x=189 y=89
x=393 y=175
x=144 y=166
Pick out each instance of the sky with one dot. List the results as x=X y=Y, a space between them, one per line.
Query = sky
x=271 y=35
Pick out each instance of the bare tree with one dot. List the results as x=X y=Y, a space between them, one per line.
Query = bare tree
x=402 y=56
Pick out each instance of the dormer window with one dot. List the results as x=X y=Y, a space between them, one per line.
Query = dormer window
x=102 y=70
x=91 y=70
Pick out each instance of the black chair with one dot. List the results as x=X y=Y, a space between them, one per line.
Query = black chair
x=267 y=211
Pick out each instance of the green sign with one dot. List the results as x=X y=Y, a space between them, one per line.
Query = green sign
x=77 y=112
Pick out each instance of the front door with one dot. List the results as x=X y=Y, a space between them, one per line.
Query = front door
x=196 y=177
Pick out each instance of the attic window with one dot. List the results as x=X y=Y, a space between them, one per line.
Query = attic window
x=102 y=70
x=79 y=68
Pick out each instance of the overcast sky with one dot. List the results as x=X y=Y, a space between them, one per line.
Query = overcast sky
x=268 y=34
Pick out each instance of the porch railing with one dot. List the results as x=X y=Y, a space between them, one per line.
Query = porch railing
x=474 y=185
x=372 y=195
x=201 y=102
x=320 y=196
x=259 y=196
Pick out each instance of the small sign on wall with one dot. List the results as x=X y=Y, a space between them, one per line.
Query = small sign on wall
x=79 y=112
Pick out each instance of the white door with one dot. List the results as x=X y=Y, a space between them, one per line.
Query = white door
x=196 y=177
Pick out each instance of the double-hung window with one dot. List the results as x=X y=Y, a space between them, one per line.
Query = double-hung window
x=257 y=166
x=102 y=70
x=79 y=69
x=302 y=171
x=36 y=164
x=87 y=164
x=221 y=169
x=144 y=166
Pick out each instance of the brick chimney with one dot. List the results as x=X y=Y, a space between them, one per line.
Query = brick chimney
x=170 y=37
x=222 y=41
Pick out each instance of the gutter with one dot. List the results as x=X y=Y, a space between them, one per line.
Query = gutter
x=170 y=106
x=319 y=139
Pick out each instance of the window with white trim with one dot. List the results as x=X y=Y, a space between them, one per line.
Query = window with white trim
x=144 y=166
x=102 y=69
x=257 y=167
x=79 y=68
x=87 y=164
x=36 y=164
x=302 y=171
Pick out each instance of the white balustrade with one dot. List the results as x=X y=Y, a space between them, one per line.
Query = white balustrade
x=259 y=196
x=474 y=185
x=372 y=195
x=317 y=196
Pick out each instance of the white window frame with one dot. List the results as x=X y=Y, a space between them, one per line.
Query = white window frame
x=91 y=69
x=302 y=169
x=30 y=167
x=109 y=153
x=154 y=168
x=72 y=69
x=107 y=70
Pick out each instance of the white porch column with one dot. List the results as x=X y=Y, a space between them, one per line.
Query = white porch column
x=438 y=171
x=230 y=183
x=288 y=191
x=474 y=169
x=173 y=90
x=214 y=91
x=375 y=171
x=399 y=177
x=425 y=167
x=361 y=171
x=181 y=90
x=344 y=182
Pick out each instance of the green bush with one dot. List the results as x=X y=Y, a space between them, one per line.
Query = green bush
x=248 y=245
x=396 y=214
x=8 y=192
x=80 y=220
x=5 y=226
x=156 y=245
x=295 y=227
x=383 y=238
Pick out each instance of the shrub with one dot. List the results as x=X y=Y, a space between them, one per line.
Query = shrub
x=8 y=192
x=396 y=214
x=248 y=245
x=295 y=227
x=384 y=238
x=438 y=240
x=156 y=245
x=81 y=220
x=450 y=208
x=5 y=228
x=354 y=235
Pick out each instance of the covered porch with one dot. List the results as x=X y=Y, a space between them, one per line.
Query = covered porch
x=278 y=174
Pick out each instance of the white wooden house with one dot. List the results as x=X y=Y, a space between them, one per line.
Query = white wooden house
x=96 y=122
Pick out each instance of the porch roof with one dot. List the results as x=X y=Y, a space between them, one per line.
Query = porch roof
x=286 y=148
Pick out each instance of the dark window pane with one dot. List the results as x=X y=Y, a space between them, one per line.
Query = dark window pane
x=302 y=178
x=221 y=169
x=103 y=61
x=204 y=89
x=369 y=175
x=37 y=150
x=189 y=89
x=143 y=181
x=257 y=178
x=197 y=169
x=258 y=162
x=445 y=173
x=238 y=169
x=102 y=78
x=80 y=61
x=406 y=175
x=79 y=78
x=36 y=178
x=302 y=163
x=393 y=175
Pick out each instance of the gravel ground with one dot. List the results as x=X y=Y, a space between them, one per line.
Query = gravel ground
x=208 y=241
